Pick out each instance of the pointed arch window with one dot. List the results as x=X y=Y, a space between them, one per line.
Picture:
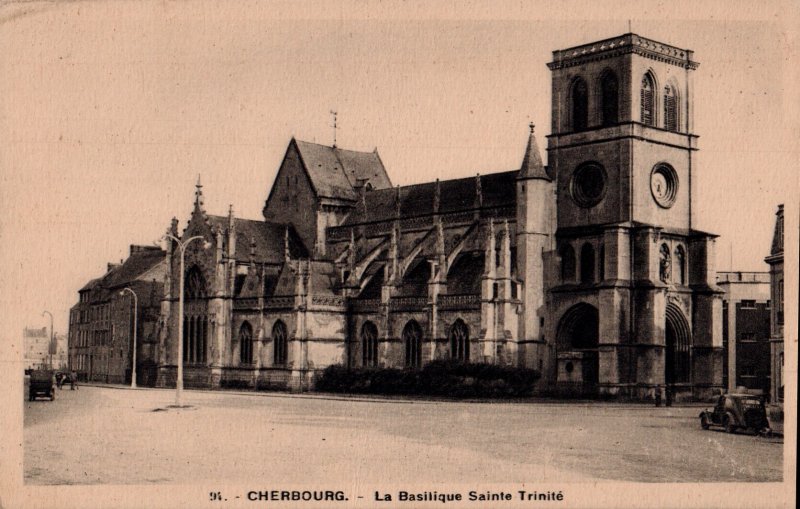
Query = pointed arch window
x=580 y=105
x=601 y=262
x=680 y=265
x=280 y=343
x=587 y=263
x=412 y=338
x=195 y=339
x=369 y=344
x=648 y=100
x=195 y=285
x=670 y=108
x=567 y=263
x=459 y=341
x=246 y=344
x=609 y=97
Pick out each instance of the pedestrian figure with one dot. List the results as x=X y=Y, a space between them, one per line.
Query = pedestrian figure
x=73 y=380
x=60 y=381
x=658 y=396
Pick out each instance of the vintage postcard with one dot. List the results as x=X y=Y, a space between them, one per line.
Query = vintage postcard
x=398 y=254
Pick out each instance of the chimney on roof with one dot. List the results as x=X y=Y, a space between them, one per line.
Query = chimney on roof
x=112 y=266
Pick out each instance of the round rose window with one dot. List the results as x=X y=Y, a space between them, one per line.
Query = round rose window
x=588 y=184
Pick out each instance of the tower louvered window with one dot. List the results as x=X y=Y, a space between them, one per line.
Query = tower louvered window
x=648 y=101
x=670 y=109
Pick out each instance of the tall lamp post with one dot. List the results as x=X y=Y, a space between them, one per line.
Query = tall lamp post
x=179 y=382
x=50 y=346
x=135 y=327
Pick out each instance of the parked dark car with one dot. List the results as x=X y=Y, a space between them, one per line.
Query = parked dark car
x=42 y=383
x=737 y=411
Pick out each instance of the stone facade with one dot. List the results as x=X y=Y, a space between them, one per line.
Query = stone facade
x=588 y=270
x=775 y=261
x=101 y=323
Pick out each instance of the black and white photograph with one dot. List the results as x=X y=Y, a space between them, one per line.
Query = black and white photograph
x=398 y=254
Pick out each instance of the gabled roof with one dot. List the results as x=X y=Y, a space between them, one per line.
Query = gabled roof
x=269 y=239
x=137 y=264
x=777 y=236
x=496 y=189
x=335 y=172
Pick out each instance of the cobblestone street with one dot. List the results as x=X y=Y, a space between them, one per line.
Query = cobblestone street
x=99 y=435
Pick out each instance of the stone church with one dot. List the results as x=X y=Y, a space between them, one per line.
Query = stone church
x=588 y=269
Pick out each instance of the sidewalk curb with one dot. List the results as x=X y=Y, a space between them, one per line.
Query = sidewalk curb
x=400 y=399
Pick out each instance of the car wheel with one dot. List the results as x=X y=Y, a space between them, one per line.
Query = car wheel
x=728 y=423
x=704 y=422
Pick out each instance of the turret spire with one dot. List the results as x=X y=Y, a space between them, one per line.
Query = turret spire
x=532 y=166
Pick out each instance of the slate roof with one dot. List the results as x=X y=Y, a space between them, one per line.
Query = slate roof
x=134 y=266
x=269 y=238
x=497 y=189
x=334 y=172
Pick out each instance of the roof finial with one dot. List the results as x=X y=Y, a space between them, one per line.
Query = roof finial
x=532 y=126
x=630 y=30
x=286 y=253
x=334 y=113
x=198 y=194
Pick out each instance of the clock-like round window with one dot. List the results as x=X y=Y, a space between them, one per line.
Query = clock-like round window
x=664 y=185
x=588 y=185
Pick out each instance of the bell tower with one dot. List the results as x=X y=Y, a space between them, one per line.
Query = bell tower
x=633 y=302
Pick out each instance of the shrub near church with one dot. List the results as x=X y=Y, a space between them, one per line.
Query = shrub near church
x=437 y=378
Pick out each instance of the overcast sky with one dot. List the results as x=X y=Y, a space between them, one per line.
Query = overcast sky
x=111 y=109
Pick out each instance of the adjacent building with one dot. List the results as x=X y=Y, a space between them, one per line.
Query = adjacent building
x=588 y=269
x=746 y=330
x=101 y=324
x=775 y=262
x=38 y=348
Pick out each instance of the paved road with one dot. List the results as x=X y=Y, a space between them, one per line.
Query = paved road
x=112 y=436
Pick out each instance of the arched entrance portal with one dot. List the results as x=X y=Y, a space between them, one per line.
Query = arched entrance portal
x=577 y=339
x=677 y=361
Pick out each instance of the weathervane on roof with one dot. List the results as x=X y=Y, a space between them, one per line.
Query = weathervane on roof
x=333 y=112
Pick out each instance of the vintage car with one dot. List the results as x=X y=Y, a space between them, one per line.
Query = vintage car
x=42 y=383
x=737 y=411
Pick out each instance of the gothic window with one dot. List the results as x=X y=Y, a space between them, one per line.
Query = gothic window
x=670 y=109
x=580 y=105
x=680 y=265
x=195 y=339
x=567 y=263
x=412 y=337
x=369 y=344
x=648 y=100
x=279 y=342
x=664 y=264
x=246 y=344
x=601 y=262
x=459 y=341
x=195 y=284
x=587 y=263
x=609 y=96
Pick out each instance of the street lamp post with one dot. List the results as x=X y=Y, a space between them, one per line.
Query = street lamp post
x=135 y=327
x=179 y=382
x=50 y=346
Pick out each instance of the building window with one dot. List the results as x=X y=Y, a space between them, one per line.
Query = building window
x=587 y=263
x=567 y=263
x=246 y=344
x=580 y=105
x=279 y=341
x=195 y=339
x=601 y=262
x=648 y=100
x=369 y=344
x=609 y=96
x=412 y=337
x=680 y=265
x=670 y=108
x=459 y=341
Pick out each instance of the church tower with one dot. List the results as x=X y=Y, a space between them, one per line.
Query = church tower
x=634 y=310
